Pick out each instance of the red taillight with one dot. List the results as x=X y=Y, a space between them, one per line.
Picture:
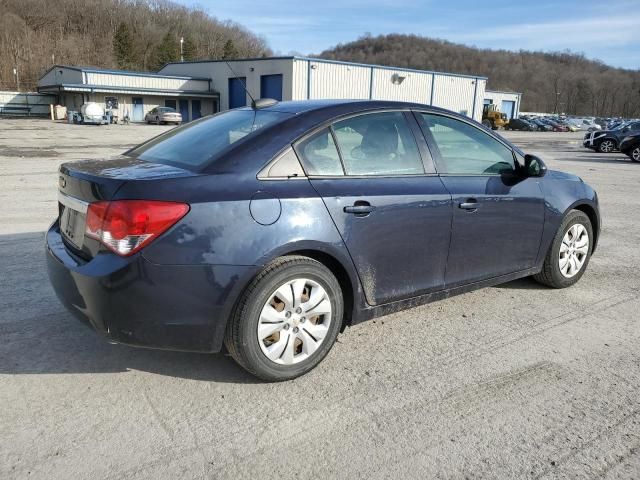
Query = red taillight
x=125 y=226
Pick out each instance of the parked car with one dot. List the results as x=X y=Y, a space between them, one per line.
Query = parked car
x=162 y=115
x=270 y=228
x=630 y=146
x=542 y=126
x=609 y=140
x=519 y=124
x=586 y=124
x=555 y=126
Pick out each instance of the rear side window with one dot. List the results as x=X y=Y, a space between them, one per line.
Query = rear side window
x=467 y=150
x=378 y=144
x=194 y=144
x=320 y=155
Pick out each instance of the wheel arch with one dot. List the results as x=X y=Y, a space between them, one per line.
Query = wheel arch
x=338 y=262
x=341 y=275
x=590 y=212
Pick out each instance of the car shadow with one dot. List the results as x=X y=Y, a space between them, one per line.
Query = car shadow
x=526 y=283
x=37 y=336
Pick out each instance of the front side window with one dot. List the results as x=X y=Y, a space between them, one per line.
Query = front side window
x=378 y=144
x=194 y=144
x=467 y=150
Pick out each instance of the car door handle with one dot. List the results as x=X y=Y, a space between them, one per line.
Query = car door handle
x=469 y=204
x=360 y=209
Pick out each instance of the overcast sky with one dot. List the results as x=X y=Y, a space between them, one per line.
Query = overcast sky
x=608 y=30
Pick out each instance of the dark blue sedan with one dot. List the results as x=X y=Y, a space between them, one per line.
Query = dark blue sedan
x=269 y=229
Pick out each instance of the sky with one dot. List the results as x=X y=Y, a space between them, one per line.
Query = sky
x=608 y=30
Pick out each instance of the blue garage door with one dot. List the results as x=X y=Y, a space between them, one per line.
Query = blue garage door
x=271 y=86
x=138 y=109
x=237 y=94
x=184 y=109
x=508 y=107
x=196 y=109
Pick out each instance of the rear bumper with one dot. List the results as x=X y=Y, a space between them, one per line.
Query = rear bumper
x=134 y=301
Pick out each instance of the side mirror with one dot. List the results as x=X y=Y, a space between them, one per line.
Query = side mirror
x=534 y=166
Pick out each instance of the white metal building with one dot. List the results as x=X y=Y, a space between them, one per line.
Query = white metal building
x=507 y=102
x=299 y=78
x=132 y=93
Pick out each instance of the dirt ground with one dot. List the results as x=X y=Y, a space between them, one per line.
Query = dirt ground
x=506 y=382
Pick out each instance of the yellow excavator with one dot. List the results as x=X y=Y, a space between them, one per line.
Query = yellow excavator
x=493 y=118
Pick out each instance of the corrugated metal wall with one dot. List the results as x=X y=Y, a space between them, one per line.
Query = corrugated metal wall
x=413 y=86
x=455 y=93
x=335 y=80
x=305 y=78
x=251 y=70
x=498 y=97
x=139 y=81
x=39 y=103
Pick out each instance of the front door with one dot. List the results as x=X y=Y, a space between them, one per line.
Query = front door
x=196 y=109
x=393 y=213
x=498 y=215
x=184 y=109
x=138 y=109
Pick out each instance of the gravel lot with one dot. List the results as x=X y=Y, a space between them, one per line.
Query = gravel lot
x=507 y=382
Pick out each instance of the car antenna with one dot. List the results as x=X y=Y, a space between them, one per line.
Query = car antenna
x=244 y=85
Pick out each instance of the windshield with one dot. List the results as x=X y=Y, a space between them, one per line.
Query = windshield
x=194 y=144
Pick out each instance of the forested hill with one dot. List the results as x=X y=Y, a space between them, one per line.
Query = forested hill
x=579 y=86
x=131 y=34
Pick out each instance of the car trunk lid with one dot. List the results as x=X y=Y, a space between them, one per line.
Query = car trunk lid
x=84 y=182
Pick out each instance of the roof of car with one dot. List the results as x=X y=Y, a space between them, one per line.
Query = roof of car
x=301 y=106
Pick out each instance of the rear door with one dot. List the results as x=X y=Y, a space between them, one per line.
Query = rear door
x=498 y=215
x=377 y=180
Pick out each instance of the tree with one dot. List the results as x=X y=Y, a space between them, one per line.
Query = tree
x=229 y=50
x=189 y=51
x=167 y=51
x=123 y=46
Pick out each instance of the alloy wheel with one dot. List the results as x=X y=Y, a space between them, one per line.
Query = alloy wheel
x=294 y=321
x=606 y=146
x=635 y=154
x=573 y=250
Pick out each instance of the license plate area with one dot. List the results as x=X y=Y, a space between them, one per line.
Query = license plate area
x=72 y=219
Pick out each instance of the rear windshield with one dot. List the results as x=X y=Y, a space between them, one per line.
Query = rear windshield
x=194 y=144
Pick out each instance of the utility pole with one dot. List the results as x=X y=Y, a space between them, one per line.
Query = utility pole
x=181 y=52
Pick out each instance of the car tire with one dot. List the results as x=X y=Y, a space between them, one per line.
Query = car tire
x=634 y=154
x=569 y=237
x=261 y=311
x=606 y=146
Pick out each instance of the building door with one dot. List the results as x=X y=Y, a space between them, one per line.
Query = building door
x=237 y=93
x=196 y=109
x=138 y=109
x=170 y=103
x=184 y=109
x=271 y=86
x=508 y=108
